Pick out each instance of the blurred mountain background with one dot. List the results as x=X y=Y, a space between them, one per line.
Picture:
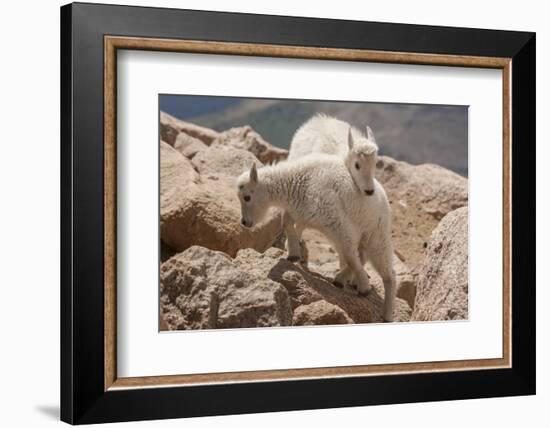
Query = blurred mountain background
x=415 y=133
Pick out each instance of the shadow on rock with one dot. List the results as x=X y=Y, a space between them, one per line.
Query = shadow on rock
x=305 y=287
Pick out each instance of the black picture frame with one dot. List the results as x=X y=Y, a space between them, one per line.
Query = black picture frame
x=83 y=398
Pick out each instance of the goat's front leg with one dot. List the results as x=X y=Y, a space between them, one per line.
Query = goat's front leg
x=353 y=260
x=293 y=240
x=345 y=275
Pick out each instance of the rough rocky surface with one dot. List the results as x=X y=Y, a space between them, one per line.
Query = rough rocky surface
x=205 y=210
x=320 y=313
x=247 y=139
x=442 y=291
x=420 y=196
x=224 y=160
x=170 y=127
x=188 y=146
x=177 y=173
x=201 y=288
x=306 y=286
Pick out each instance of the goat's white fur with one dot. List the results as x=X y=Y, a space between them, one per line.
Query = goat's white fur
x=317 y=191
x=325 y=134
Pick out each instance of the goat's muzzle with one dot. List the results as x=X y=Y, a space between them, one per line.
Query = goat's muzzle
x=246 y=223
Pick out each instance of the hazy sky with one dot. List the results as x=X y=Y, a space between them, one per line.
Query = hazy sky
x=186 y=106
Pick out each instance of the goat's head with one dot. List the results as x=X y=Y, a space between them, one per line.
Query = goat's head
x=252 y=196
x=361 y=160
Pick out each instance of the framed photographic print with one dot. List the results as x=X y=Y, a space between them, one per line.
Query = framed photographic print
x=266 y=213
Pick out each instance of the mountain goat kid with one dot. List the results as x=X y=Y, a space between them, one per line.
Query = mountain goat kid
x=325 y=134
x=318 y=192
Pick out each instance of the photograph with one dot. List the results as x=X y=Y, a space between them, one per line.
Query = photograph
x=281 y=210
x=292 y=212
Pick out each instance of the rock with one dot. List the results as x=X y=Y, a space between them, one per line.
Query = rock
x=247 y=139
x=320 y=313
x=203 y=289
x=272 y=264
x=420 y=195
x=205 y=210
x=170 y=127
x=308 y=286
x=406 y=288
x=163 y=325
x=177 y=172
x=165 y=252
x=406 y=281
x=442 y=290
x=188 y=146
x=224 y=160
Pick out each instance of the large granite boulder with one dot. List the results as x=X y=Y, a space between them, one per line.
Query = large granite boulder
x=247 y=139
x=203 y=289
x=170 y=128
x=420 y=196
x=442 y=289
x=205 y=210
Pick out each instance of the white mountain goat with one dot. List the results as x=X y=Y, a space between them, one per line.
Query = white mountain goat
x=318 y=192
x=325 y=134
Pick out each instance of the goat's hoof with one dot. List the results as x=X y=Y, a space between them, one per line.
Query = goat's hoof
x=354 y=286
x=293 y=259
x=338 y=284
x=387 y=320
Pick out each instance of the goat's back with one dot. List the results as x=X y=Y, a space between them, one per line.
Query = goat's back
x=321 y=134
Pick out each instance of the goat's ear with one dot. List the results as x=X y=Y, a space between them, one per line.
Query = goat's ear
x=370 y=134
x=350 y=139
x=253 y=174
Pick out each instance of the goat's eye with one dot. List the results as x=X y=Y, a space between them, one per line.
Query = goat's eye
x=247 y=198
x=357 y=165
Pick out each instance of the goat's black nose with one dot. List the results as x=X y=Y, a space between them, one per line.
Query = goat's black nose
x=369 y=192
